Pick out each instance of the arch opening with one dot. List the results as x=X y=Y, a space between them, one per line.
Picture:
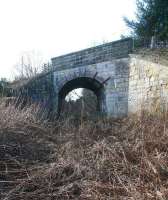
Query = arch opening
x=92 y=97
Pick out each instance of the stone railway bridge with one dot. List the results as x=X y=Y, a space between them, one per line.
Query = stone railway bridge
x=120 y=81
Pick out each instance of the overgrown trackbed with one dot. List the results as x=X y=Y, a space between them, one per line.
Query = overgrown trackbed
x=106 y=159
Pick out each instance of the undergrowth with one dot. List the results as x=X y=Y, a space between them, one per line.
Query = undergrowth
x=86 y=160
x=159 y=55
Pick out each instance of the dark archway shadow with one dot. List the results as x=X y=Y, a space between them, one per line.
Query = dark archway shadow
x=83 y=82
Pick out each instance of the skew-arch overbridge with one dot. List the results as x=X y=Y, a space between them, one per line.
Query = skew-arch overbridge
x=100 y=69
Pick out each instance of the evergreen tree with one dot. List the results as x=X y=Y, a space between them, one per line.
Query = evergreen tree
x=151 y=19
x=4 y=90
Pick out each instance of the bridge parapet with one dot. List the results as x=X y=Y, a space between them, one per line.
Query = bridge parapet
x=98 y=54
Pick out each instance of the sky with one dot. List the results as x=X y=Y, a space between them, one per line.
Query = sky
x=54 y=27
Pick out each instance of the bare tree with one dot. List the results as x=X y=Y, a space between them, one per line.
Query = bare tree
x=29 y=65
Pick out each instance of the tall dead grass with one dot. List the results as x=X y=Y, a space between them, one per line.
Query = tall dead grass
x=93 y=160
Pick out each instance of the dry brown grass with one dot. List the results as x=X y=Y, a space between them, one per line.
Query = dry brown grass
x=159 y=55
x=106 y=159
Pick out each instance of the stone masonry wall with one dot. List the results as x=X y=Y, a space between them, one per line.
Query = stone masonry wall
x=98 y=54
x=148 y=85
x=112 y=74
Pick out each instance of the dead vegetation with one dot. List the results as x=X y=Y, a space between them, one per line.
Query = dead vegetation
x=96 y=160
x=158 y=55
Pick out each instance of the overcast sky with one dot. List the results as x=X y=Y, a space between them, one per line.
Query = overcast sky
x=55 y=27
